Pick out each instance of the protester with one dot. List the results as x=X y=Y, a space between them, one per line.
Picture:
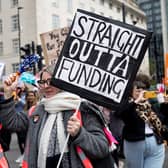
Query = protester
x=143 y=145
x=5 y=135
x=31 y=100
x=5 y=139
x=116 y=126
x=50 y=123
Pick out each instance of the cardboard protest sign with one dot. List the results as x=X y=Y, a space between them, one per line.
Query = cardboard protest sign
x=2 y=67
x=52 y=43
x=100 y=59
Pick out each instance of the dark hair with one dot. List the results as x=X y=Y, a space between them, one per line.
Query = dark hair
x=139 y=85
x=30 y=104
x=143 y=78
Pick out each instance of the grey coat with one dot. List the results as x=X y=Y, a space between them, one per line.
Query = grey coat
x=91 y=137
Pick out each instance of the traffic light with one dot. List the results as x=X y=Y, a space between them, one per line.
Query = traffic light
x=26 y=49
x=39 y=52
x=30 y=52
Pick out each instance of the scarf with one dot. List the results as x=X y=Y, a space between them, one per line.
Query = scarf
x=55 y=106
x=146 y=113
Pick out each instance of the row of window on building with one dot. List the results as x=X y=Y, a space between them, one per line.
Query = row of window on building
x=55 y=18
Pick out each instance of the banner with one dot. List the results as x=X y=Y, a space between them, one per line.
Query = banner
x=52 y=43
x=100 y=59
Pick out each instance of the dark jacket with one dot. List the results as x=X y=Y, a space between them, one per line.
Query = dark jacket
x=134 y=129
x=164 y=112
x=91 y=137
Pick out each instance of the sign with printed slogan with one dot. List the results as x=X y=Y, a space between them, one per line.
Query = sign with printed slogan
x=100 y=59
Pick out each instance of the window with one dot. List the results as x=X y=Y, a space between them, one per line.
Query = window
x=141 y=20
x=15 y=67
x=102 y=2
x=14 y=3
x=55 y=21
x=1 y=26
x=158 y=17
x=149 y=12
x=15 y=44
x=14 y=20
x=55 y=3
x=69 y=22
x=118 y=9
x=157 y=11
x=157 y=4
x=132 y=16
x=69 y=5
x=159 y=30
x=110 y=5
x=1 y=48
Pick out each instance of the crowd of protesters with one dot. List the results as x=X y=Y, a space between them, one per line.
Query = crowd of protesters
x=52 y=120
x=44 y=116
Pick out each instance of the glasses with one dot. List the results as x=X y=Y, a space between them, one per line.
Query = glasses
x=42 y=82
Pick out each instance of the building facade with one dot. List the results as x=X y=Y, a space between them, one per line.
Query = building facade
x=164 y=15
x=22 y=21
x=152 y=8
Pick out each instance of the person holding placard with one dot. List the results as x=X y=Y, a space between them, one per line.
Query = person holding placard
x=55 y=118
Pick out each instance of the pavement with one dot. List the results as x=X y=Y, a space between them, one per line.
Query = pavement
x=14 y=153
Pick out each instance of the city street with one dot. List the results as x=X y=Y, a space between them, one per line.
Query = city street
x=13 y=154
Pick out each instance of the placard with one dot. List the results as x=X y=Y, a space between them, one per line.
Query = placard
x=52 y=43
x=100 y=59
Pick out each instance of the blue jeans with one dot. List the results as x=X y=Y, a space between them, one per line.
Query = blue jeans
x=144 y=154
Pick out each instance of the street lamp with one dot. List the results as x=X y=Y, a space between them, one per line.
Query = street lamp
x=123 y=12
x=19 y=31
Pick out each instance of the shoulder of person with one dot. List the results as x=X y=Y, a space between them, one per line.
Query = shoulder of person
x=38 y=109
x=93 y=109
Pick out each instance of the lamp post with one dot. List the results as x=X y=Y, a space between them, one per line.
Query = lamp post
x=19 y=31
x=123 y=12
